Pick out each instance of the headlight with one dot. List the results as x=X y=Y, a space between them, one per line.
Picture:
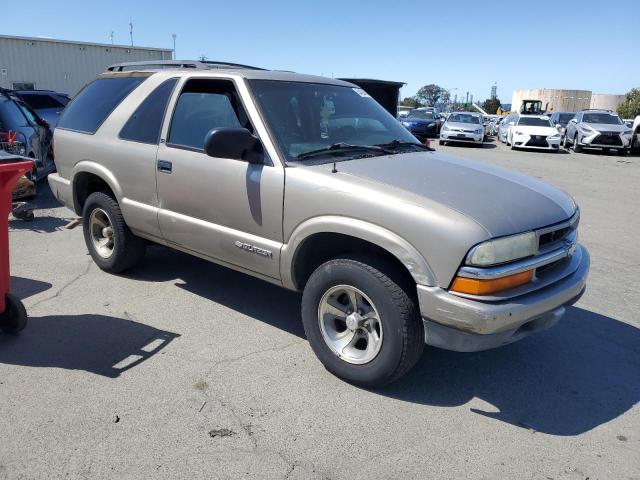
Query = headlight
x=445 y=128
x=480 y=130
x=586 y=129
x=431 y=124
x=555 y=135
x=503 y=250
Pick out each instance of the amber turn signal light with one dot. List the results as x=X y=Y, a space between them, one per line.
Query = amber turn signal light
x=474 y=286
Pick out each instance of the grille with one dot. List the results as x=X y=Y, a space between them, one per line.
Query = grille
x=537 y=141
x=554 y=236
x=608 y=138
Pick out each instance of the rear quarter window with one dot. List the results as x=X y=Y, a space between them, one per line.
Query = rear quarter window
x=145 y=123
x=95 y=102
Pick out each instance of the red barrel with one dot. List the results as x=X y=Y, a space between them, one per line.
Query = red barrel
x=13 y=316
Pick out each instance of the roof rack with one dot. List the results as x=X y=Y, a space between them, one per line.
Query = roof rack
x=596 y=110
x=178 y=64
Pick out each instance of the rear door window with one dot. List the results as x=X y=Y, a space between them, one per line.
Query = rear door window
x=145 y=123
x=96 y=101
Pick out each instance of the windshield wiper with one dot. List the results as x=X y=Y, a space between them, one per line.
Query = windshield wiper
x=395 y=144
x=344 y=147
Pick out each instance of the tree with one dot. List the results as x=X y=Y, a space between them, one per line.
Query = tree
x=491 y=105
x=410 y=102
x=631 y=106
x=430 y=94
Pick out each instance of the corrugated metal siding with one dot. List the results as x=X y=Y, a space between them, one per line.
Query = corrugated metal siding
x=63 y=66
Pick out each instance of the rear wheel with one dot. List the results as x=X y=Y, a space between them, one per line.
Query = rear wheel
x=113 y=247
x=440 y=142
x=362 y=324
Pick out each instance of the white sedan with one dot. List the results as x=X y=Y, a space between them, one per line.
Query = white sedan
x=533 y=131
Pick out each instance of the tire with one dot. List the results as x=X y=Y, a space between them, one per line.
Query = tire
x=401 y=332
x=14 y=318
x=565 y=144
x=576 y=148
x=440 y=142
x=126 y=250
x=635 y=142
x=622 y=151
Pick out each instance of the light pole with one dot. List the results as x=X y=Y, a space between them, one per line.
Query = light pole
x=173 y=35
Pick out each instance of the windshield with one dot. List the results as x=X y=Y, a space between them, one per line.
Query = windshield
x=564 y=118
x=422 y=114
x=304 y=117
x=464 y=118
x=608 y=118
x=534 y=122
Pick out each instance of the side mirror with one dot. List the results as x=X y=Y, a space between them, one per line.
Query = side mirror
x=234 y=143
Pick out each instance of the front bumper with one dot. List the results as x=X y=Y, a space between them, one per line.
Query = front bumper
x=546 y=143
x=604 y=140
x=465 y=324
x=466 y=137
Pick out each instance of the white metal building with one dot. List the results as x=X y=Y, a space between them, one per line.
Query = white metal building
x=62 y=65
x=560 y=100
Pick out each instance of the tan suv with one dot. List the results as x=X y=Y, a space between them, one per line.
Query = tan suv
x=308 y=183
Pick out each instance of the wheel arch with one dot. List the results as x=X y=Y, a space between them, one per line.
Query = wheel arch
x=322 y=238
x=89 y=177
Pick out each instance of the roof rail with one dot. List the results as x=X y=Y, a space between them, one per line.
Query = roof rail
x=177 y=64
x=596 y=110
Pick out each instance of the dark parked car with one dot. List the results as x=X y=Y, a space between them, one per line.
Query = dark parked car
x=561 y=119
x=25 y=133
x=422 y=123
x=46 y=103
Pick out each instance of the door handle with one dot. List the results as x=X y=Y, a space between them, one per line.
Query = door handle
x=165 y=166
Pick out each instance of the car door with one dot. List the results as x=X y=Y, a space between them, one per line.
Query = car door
x=42 y=139
x=224 y=209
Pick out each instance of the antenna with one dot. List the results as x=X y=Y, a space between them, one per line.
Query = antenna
x=173 y=35
x=131 y=30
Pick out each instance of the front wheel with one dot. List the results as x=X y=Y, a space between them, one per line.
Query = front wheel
x=440 y=142
x=361 y=323
x=113 y=247
x=576 y=148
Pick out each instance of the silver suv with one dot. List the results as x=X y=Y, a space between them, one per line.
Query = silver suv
x=598 y=129
x=308 y=183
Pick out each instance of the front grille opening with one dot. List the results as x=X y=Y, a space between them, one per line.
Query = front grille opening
x=607 y=139
x=537 y=141
x=554 y=236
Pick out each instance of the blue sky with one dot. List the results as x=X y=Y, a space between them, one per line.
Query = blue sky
x=467 y=45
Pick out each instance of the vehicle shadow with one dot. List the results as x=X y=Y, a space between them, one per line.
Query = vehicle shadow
x=580 y=374
x=98 y=344
x=245 y=294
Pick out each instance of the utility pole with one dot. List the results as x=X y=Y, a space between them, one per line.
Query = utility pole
x=111 y=37
x=173 y=35
x=467 y=101
x=131 y=30
x=472 y=98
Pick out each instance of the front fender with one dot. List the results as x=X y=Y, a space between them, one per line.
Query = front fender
x=393 y=243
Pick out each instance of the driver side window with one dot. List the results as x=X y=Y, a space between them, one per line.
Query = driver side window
x=204 y=105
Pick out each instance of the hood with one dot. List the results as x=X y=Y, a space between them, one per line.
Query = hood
x=535 y=130
x=464 y=126
x=607 y=127
x=501 y=201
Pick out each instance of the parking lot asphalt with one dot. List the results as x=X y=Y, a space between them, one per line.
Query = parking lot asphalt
x=183 y=369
